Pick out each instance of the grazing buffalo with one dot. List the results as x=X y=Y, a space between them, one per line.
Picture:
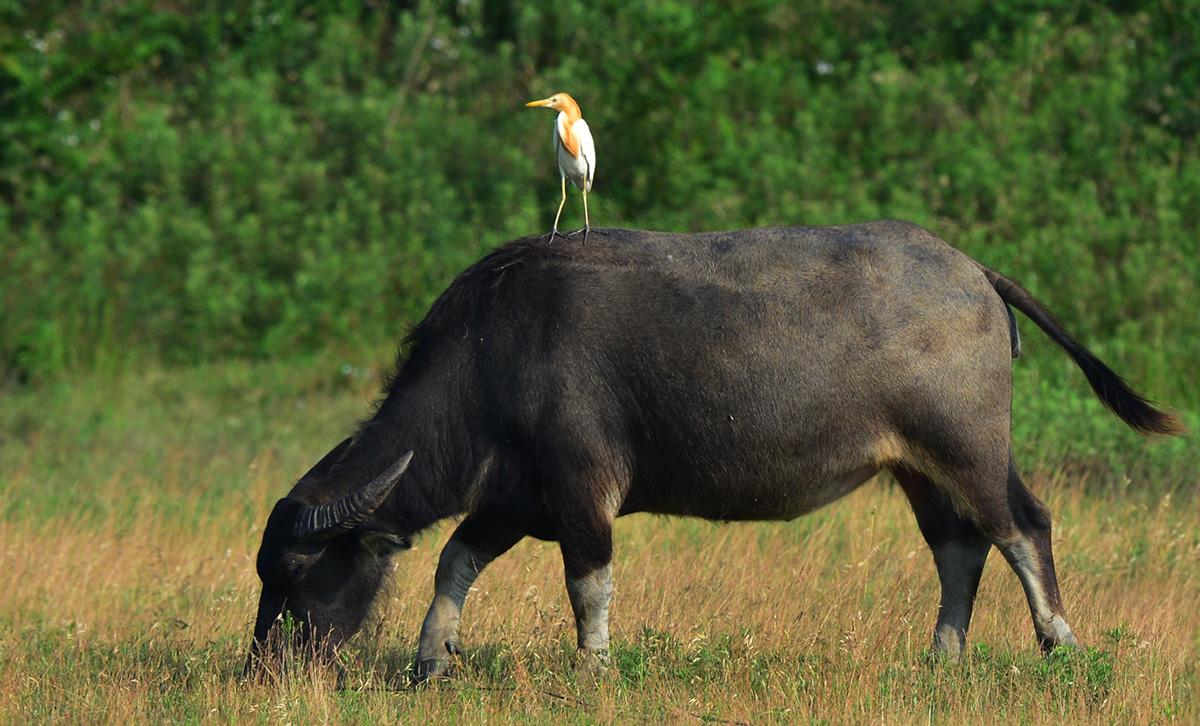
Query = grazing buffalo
x=747 y=375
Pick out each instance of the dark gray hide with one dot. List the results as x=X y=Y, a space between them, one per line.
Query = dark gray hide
x=746 y=375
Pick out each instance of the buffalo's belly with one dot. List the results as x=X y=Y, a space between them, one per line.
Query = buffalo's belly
x=766 y=497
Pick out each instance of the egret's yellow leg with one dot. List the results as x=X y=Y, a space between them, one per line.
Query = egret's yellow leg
x=587 y=222
x=561 y=204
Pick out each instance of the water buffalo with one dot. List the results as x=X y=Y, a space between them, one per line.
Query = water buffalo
x=746 y=375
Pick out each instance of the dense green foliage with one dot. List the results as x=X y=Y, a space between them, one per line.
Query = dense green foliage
x=266 y=178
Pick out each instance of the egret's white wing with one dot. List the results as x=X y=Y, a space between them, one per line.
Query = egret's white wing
x=556 y=141
x=587 y=149
x=579 y=169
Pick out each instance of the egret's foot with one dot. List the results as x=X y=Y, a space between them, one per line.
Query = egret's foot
x=432 y=668
x=555 y=233
x=586 y=231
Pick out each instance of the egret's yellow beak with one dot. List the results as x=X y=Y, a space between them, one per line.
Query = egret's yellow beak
x=536 y=104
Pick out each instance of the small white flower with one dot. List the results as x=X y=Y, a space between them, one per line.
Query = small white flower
x=824 y=68
x=94 y=124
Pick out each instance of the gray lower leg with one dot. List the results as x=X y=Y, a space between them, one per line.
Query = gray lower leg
x=1027 y=547
x=959 y=551
x=959 y=565
x=590 y=597
x=1041 y=590
x=457 y=569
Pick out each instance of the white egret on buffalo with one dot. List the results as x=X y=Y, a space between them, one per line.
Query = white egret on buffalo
x=575 y=151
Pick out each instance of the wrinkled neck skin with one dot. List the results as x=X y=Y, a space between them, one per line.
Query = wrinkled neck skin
x=417 y=414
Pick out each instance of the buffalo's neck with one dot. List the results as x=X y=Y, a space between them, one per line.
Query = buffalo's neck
x=422 y=414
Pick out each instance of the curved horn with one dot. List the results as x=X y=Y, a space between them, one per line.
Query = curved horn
x=326 y=521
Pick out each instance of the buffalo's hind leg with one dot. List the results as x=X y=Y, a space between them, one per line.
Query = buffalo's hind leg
x=472 y=546
x=959 y=551
x=1028 y=551
x=990 y=494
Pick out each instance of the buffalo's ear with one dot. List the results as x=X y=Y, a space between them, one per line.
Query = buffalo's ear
x=384 y=543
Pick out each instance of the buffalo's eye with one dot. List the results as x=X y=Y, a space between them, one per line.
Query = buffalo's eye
x=293 y=567
x=382 y=544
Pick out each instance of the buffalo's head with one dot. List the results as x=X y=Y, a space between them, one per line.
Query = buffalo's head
x=321 y=568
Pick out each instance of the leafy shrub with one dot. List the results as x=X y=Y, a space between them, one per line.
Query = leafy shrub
x=262 y=180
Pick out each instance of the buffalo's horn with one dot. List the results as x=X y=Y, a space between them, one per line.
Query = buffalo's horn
x=326 y=521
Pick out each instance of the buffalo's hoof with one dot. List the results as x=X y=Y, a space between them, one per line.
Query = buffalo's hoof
x=437 y=667
x=1056 y=634
x=1066 y=644
x=429 y=669
x=593 y=665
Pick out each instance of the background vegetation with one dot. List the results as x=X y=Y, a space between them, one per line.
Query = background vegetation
x=267 y=178
x=216 y=219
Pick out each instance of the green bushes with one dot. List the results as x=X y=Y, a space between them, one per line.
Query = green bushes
x=266 y=180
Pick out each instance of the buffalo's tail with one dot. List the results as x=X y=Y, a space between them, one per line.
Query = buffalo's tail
x=1130 y=406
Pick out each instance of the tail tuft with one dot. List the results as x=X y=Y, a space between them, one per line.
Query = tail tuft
x=1129 y=405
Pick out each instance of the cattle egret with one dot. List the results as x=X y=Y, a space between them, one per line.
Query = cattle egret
x=575 y=151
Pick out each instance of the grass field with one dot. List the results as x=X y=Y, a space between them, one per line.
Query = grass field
x=131 y=507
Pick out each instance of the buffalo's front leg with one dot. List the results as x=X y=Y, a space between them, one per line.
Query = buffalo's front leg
x=590 y=596
x=589 y=484
x=472 y=546
x=588 y=568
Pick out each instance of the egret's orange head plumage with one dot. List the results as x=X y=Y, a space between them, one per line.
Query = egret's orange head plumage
x=563 y=102
x=560 y=101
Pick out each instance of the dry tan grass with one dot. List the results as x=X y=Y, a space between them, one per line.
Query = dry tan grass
x=823 y=618
x=130 y=511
